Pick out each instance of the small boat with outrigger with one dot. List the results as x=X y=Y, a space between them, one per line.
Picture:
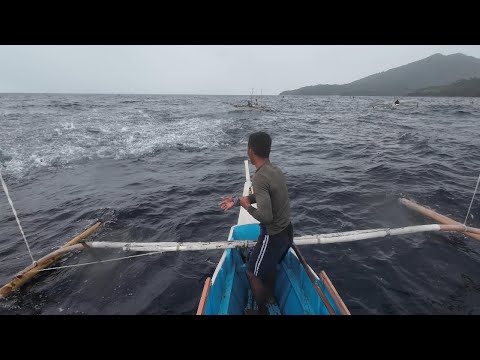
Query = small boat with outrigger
x=298 y=290
x=253 y=105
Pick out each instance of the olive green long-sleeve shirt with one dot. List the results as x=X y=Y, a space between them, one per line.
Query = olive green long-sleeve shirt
x=271 y=195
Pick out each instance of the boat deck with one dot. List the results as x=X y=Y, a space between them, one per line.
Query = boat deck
x=297 y=293
x=273 y=309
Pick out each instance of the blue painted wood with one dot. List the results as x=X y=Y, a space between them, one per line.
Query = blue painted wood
x=294 y=292
x=246 y=232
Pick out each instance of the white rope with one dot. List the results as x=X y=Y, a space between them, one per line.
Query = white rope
x=15 y=213
x=98 y=262
x=471 y=202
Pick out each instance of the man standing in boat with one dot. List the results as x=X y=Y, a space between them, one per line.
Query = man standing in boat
x=270 y=193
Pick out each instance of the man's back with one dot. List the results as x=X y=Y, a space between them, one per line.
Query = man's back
x=273 y=212
x=269 y=181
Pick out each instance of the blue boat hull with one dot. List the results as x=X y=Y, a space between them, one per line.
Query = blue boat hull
x=228 y=291
x=294 y=291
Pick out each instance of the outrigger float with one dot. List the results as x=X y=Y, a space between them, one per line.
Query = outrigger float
x=298 y=289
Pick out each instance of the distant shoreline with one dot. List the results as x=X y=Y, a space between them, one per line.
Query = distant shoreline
x=437 y=75
x=246 y=95
x=135 y=94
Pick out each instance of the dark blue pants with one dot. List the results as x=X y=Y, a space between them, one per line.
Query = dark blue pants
x=269 y=251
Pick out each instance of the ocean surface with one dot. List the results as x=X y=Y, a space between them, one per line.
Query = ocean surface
x=155 y=168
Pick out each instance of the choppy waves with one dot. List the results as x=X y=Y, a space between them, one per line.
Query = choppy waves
x=90 y=134
x=155 y=167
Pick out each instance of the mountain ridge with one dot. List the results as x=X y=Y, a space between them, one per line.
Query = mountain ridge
x=434 y=70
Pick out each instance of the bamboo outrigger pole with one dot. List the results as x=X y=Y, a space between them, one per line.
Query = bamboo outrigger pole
x=72 y=245
x=30 y=271
x=436 y=216
x=301 y=240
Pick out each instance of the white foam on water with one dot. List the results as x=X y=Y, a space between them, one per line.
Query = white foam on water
x=144 y=115
x=38 y=160
x=119 y=135
x=68 y=126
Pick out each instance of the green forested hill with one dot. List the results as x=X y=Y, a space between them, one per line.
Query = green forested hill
x=435 y=70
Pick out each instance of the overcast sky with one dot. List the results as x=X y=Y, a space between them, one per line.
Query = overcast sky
x=200 y=69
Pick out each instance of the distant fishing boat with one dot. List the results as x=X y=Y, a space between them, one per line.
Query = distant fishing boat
x=404 y=104
x=298 y=290
x=252 y=105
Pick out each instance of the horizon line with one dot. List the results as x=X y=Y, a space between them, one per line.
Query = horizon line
x=106 y=93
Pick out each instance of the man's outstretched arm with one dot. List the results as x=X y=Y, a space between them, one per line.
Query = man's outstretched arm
x=229 y=202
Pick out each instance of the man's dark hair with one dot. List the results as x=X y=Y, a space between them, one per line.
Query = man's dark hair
x=261 y=143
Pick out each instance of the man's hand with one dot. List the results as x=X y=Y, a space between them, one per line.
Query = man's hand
x=227 y=203
x=245 y=202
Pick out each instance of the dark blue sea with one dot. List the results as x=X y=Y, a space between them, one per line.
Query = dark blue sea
x=155 y=167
